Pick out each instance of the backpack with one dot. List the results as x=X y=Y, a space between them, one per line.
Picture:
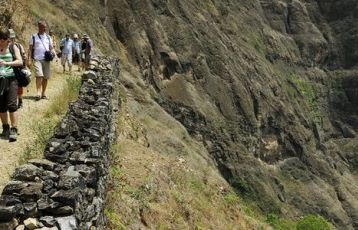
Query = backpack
x=22 y=74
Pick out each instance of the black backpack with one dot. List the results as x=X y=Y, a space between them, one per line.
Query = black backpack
x=23 y=75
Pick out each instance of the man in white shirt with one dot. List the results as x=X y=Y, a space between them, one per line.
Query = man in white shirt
x=39 y=44
x=66 y=52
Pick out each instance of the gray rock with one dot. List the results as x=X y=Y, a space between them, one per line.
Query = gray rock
x=45 y=164
x=47 y=204
x=47 y=228
x=48 y=221
x=68 y=197
x=7 y=213
x=31 y=223
x=89 y=75
x=9 y=225
x=30 y=208
x=27 y=172
x=20 y=227
x=68 y=223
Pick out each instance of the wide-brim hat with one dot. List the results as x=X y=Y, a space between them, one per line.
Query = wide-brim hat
x=12 y=33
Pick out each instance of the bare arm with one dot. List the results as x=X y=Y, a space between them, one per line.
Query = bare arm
x=29 y=56
x=18 y=61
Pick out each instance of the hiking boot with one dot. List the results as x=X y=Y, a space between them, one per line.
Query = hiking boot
x=13 y=134
x=19 y=105
x=5 y=131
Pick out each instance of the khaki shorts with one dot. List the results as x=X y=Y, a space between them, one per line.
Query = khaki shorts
x=42 y=69
x=66 y=58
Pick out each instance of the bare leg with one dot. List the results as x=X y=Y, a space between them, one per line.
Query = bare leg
x=39 y=84
x=44 y=86
x=4 y=119
x=13 y=119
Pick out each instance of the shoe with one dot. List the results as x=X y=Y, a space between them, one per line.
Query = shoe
x=13 y=134
x=5 y=132
x=37 y=98
x=44 y=97
x=19 y=105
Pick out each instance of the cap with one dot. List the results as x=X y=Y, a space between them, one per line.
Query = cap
x=12 y=33
x=85 y=36
x=75 y=36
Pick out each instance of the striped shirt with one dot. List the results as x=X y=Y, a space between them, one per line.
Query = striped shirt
x=6 y=71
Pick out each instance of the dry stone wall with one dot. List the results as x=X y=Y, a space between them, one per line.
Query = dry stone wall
x=66 y=189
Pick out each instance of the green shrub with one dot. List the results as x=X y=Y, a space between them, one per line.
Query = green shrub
x=312 y=222
x=279 y=223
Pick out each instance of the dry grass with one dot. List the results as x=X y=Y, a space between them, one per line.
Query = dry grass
x=151 y=189
x=43 y=129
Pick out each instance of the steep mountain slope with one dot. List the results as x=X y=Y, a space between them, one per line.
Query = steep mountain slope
x=250 y=80
x=267 y=87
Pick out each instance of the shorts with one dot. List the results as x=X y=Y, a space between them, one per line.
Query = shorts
x=42 y=69
x=87 y=58
x=76 y=58
x=8 y=101
x=66 y=58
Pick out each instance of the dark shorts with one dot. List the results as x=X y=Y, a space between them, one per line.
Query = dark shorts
x=76 y=58
x=8 y=101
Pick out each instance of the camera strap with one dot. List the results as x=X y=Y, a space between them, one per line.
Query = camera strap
x=43 y=42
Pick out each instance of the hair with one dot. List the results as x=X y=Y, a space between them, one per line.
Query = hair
x=42 y=22
x=4 y=33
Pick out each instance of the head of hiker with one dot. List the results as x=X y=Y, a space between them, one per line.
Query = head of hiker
x=12 y=35
x=4 y=37
x=75 y=36
x=42 y=26
x=67 y=37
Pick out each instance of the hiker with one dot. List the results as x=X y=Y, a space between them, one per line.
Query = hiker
x=41 y=53
x=20 y=90
x=86 y=49
x=66 y=52
x=8 y=86
x=77 y=51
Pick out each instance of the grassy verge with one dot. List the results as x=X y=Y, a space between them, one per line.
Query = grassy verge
x=43 y=128
x=152 y=189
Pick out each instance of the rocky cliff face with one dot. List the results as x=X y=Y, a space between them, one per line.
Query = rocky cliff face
x=268 y=88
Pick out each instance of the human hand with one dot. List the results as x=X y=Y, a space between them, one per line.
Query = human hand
x=29 y=63
x=2 y=62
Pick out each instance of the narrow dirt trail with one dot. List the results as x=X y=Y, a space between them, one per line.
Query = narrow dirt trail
x=29 y=115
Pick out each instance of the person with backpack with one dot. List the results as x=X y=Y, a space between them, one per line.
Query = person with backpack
x=8 y=86
x=86 y=49
x=40 y=54
x=20 y=89
x=66 y=57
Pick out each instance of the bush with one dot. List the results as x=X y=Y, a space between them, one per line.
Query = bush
x=279 y=223
x=312 y=222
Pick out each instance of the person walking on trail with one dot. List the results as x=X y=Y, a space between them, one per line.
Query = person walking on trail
x=20 y=90
x=77 y=51
x=8 y=86
x=86 y=49
x=41 y=53
x=66 y=57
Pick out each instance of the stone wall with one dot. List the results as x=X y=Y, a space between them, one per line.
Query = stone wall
x=66 y=189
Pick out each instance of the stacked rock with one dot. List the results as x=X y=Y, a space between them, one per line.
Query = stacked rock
x=66 y=190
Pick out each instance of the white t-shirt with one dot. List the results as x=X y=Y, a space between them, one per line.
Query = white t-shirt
x=40 y=46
